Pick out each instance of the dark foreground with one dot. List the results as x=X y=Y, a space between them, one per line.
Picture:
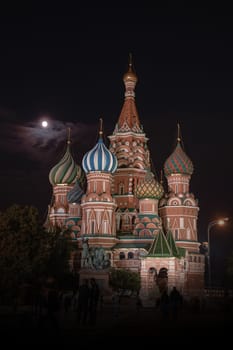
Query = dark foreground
x=24 y=327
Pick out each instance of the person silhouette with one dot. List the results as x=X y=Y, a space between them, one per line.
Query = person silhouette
x=93 y=301
x=175 y=301
x=82 y=302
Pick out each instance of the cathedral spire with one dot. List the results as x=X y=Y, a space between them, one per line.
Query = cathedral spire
x=129 y=119
x=130 y=79
x=68 y=135
x=101 y=128
x=178 y=133
x=161 y=177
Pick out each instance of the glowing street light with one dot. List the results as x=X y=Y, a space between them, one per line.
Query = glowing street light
x=219 y=222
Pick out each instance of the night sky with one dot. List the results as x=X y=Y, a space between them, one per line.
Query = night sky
x=68 y=69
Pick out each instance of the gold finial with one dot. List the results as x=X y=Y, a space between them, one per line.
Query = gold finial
x=178 y=133
x=101 y=127
x=68 y=135
x=130 y=60
x=130 y=75
x=161 y=176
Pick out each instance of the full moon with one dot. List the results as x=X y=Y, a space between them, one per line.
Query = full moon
x=44 y=123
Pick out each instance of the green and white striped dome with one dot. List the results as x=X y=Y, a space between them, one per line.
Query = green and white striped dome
x=65 y=171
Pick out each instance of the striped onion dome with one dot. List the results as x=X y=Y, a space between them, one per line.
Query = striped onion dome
x=75 y=195
x=99 y=158
x=65 y=171
x=178 y=162
x=149 y=188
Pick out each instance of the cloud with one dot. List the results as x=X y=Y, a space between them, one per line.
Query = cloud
x=38 y=144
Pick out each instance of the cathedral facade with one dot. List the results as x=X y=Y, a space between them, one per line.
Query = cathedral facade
x=114 y=202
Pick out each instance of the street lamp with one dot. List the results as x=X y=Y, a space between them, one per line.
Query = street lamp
x=219 y=222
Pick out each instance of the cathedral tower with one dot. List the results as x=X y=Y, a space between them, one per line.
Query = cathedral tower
x=98 y=205
x=179 y=208
x=64 y=177
x=129 y=144
x=149 y=192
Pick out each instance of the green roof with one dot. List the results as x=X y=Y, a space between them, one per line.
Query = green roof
x=150 y=216
x=160 y=246
x=172 y=244
x=181 y=251
x=131 y=245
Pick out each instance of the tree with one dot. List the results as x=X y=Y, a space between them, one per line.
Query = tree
x=27 y=251
x=124 y=280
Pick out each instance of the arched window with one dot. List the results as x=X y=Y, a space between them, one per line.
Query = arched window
x=92 y=226
x=163 y=272
x=122 y=256
x=130 y=255
x=152 y=270
x=127 y=219
x=152 y=274
x=121 y=188
x=133 y=220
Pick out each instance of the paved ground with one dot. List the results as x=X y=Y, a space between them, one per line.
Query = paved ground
x=23 y=328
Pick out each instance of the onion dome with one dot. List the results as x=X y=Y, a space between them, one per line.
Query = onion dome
x=99 y=158
x=178 y=162
x=75 y=195
x=64 y=172
x=149 y=188
x=130 y=74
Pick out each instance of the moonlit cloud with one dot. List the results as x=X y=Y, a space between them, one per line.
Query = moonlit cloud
x=28 y=152
x=45 y=144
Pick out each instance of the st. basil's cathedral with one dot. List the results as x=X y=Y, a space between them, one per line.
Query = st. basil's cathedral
x=115 y=203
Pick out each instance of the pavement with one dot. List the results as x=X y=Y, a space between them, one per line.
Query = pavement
x=23 y=327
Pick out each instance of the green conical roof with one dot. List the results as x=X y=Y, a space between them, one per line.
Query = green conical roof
x=160 y=246
x=172 y=244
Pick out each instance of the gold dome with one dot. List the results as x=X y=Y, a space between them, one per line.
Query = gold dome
x=150 y=188
x=130 y=75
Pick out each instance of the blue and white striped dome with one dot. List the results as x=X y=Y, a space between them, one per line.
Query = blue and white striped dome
x=99 y=158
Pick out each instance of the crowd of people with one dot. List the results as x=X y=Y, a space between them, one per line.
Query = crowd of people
x=88 y=299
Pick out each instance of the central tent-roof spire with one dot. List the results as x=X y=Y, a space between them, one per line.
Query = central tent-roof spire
x=129 y=119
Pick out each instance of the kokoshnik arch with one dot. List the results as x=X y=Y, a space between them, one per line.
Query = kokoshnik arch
x=115 y=201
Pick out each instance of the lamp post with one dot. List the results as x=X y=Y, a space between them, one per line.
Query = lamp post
x=219 y=222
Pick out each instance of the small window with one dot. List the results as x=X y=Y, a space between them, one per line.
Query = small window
x=121 y=188
x=130 y=255
x=122 y=256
